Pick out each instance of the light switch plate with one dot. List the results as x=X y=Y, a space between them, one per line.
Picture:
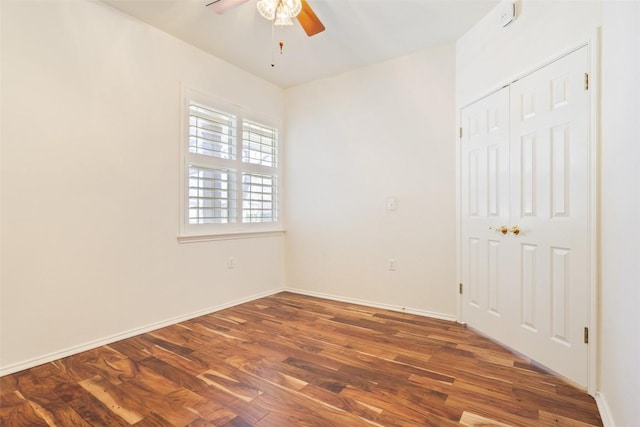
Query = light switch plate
x=392 y=204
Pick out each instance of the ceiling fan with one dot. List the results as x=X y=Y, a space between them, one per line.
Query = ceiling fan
x=279 y=11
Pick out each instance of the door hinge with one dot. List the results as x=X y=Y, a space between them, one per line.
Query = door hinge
x=460 y=133
x=460 y=288
x=586 y=335
x=586 y=81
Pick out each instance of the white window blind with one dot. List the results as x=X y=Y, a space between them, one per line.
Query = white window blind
x=259 y=144
x=212 y=133
x=259 y=198
x=212 y=195
x=223 y=188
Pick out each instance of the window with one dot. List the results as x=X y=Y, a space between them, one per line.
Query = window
x=230 y=173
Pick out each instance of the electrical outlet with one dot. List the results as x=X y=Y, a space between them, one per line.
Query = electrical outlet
x=231 y=262
x=393 y=264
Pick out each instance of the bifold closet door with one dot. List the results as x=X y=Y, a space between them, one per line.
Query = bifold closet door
x=524 y=226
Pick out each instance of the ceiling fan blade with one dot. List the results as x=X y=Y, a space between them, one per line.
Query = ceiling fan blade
x=309 y=20
x=221 y=6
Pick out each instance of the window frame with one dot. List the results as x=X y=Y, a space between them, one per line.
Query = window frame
x=238 y=229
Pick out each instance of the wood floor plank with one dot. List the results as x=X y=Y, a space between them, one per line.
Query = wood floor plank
x=557 y=420
x=90 y=363
x=289 y=360
x=506 y=416
x=17 y=411
x=96 y=412
x=473 y=420
x=119 y=406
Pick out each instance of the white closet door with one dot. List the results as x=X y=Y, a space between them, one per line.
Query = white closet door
x=549 y=202
x=524 y=163
x=485 y=204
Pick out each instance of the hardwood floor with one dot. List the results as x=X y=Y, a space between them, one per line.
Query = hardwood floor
x=292 y=360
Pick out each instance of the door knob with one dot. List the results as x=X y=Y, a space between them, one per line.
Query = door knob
x=515 y=230
x=502 y=229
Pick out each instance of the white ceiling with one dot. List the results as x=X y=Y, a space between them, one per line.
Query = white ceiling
x=358 y=32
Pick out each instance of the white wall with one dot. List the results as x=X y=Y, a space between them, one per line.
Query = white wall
x=353 y=140
x=90 y=147
x=620 y=317
x=489 y=56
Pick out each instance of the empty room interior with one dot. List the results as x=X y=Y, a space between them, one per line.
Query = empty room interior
x=320 y=213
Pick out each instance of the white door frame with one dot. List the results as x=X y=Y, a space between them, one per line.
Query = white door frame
x=593 y=48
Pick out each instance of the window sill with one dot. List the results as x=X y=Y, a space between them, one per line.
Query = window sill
x=194 y=238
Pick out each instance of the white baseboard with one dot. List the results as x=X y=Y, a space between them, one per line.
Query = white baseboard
x=16 y=367
x=605 y=411
x=418 y=312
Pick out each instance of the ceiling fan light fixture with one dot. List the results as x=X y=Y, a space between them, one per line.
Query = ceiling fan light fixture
x=267 y=8
x=291 y=7
x=279 y=11
x=282 y=19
